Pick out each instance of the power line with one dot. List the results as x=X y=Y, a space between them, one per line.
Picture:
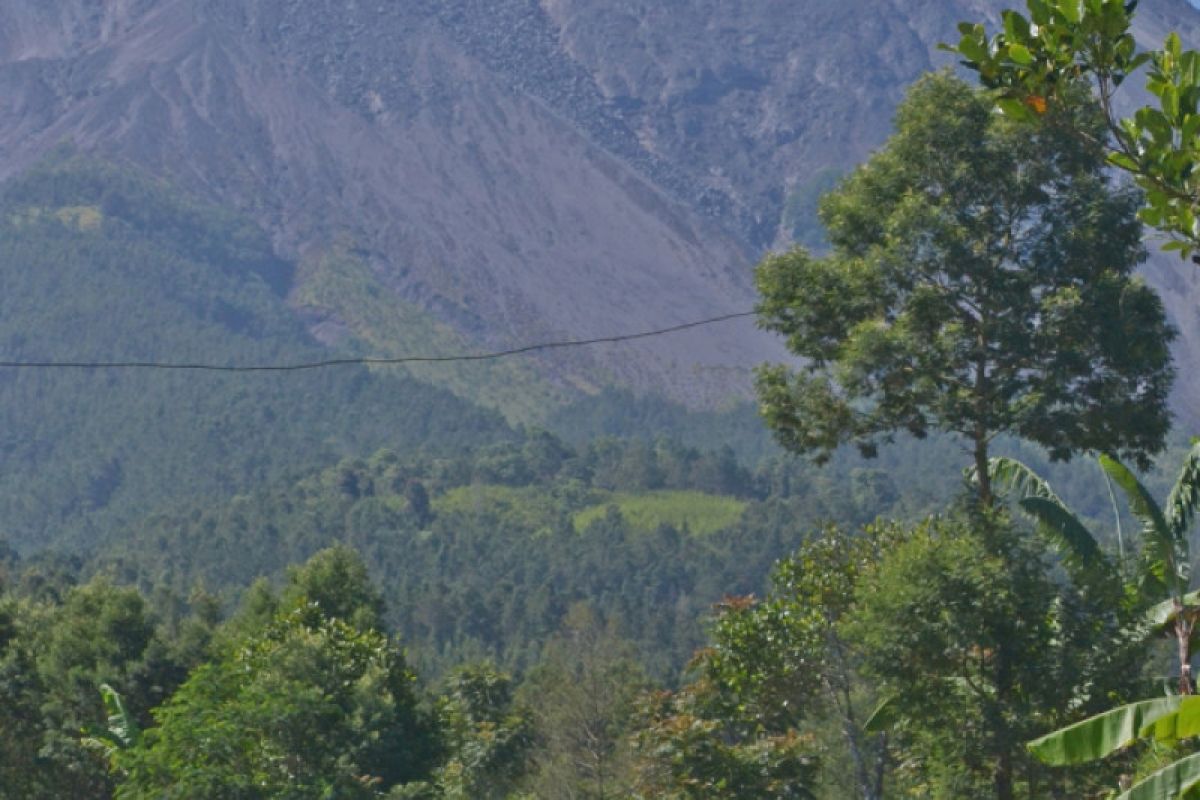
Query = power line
x=338 y=362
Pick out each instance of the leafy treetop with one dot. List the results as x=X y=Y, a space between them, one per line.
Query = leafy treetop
x=980 y=282
x=1039 y=59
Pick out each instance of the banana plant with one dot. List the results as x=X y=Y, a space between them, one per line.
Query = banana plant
x=1165 y=568
x=1166 y=720
x=1056 y=523
x=121 y=731
x=1164 y=571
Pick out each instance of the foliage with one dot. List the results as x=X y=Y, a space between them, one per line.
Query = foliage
x=524 y=507
x=121 y=730
x=309 y=707
x=978 y=647
x=340 y=285
x=1104 y=733
x=160 y=277
x=686 y=755
x=582 y=697
x=614 y=412
x=1165 y=721
x=1037 y=62
x=486 y=736
x=54 y=653
x=980 y=282
x=476 y=542
x=1164 y=573
x=784 y=661
x=1056 y=523
x=1164 y=570
x=490 y=567
x=336 y=582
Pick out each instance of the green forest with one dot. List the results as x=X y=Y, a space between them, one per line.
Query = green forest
x=945 y=552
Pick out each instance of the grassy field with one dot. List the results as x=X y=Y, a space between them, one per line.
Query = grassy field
x=522 y=508
x=700 y=513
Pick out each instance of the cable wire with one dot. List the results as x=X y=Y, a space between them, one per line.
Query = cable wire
x=339 y=362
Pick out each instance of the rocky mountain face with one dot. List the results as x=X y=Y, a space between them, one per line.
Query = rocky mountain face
x=514 y=169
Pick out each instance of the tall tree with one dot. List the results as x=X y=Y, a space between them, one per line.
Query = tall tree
x=582 y=695
x=979 y=646
x=784 y=662
x=308 y=707
x=980 y=282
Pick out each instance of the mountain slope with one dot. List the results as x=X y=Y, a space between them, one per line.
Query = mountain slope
x=100 y=264
x=470 y=199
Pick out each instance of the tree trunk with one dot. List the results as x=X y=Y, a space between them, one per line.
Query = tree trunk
x=981 y=468
x=1004 y=756
x=1183 y=637
x=980 y=433
x=881 y=766
x=837 y=684
x=1004 y=776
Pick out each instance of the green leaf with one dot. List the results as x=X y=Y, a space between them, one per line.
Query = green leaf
x=1015 y=476
x=1173 y=46
x=1071 y=10
x=1016 y=27
x=1190 y=128
x=972 y=49
x=1184 y=499
x=1137 y=61
x=1062 y=528
x=1159 y=616
x=1154 y=524
x=1152 y=217
x=884 y=717
x=121 y=724
x=1055 y=521
x=1098 y=736
x=1014 y=108
x=1123 y=162
x=1182 y=724
x=1172 y=781
x=1039 y=12
x=1020 y=54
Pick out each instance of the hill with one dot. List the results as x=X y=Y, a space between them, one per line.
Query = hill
x=100 y=264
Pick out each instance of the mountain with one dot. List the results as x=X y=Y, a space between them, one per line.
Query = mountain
x=380 y=131
x=505 y=171
x=274 y=179
x=98 y=264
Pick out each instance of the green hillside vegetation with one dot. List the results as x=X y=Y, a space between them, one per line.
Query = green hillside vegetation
x=482 y=554
x=624 y=414
x=341 y=286
x=696 y=513
x=529 y=508
x=101 y=264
